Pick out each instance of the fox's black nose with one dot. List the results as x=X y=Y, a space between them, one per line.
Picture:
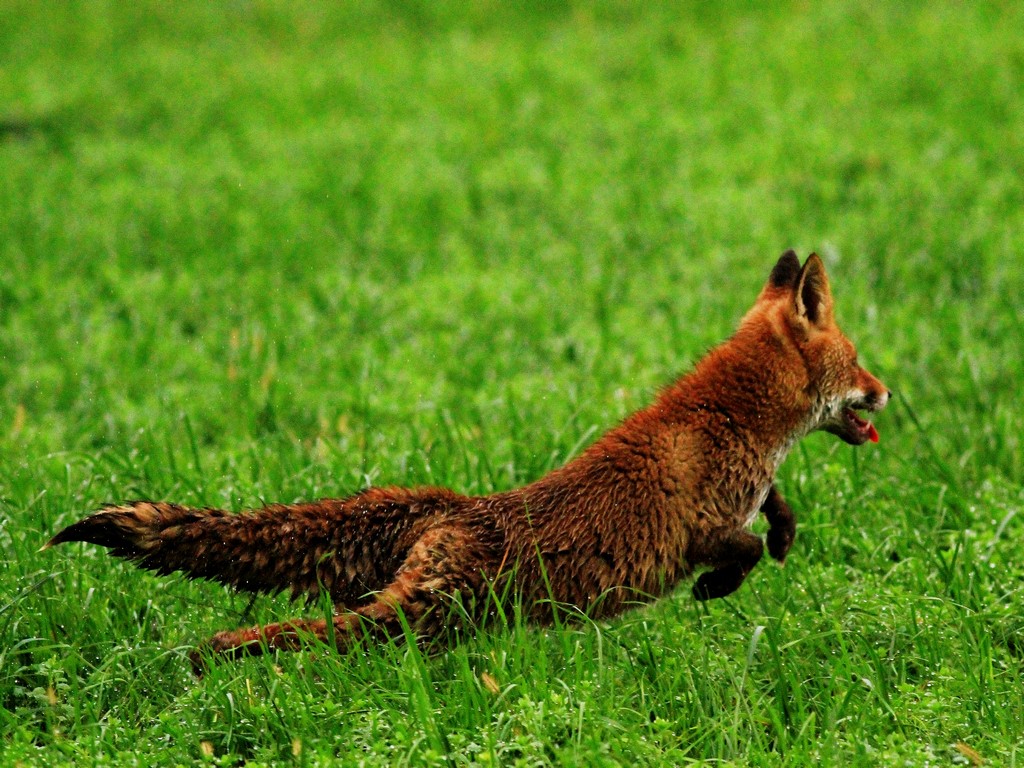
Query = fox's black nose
x=878 y=400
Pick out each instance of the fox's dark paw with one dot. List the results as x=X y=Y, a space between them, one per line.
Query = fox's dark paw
x=198 y=658
x=224 y=646
x=717 y=583
x=780 y=539
x=206 y=653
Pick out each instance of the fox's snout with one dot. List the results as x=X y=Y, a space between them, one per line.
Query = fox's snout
x=874 y=400
x=868 y=394
x=875 y=394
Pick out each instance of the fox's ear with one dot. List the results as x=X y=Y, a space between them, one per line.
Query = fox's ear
x=813 y=297
x=786 y=271
x=782 y=281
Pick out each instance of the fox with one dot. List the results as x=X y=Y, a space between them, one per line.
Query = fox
x=671 y=491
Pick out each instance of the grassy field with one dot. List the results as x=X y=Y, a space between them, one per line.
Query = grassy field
x=257 y=251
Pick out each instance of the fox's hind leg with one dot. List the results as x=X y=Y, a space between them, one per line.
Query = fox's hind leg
x=446 y=564
x=732 y=554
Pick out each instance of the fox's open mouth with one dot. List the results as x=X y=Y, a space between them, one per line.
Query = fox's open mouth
x=853 y=429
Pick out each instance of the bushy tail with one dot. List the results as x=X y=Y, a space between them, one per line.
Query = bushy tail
x=348 y=547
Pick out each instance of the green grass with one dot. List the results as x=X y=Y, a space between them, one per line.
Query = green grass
x=266 y=252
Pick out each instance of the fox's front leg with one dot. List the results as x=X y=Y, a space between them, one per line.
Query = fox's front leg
x=781 y=524
x=732 y=553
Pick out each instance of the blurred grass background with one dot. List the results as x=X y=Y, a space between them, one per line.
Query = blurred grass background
x=255 y=251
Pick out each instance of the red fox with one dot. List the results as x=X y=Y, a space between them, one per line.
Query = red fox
x=670 y=490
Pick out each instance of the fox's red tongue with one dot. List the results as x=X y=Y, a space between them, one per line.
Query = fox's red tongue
x=872 y=433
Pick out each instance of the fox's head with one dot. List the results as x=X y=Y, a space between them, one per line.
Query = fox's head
x=798 y=301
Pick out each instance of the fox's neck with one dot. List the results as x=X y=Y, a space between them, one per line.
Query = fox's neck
x=747 y=388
